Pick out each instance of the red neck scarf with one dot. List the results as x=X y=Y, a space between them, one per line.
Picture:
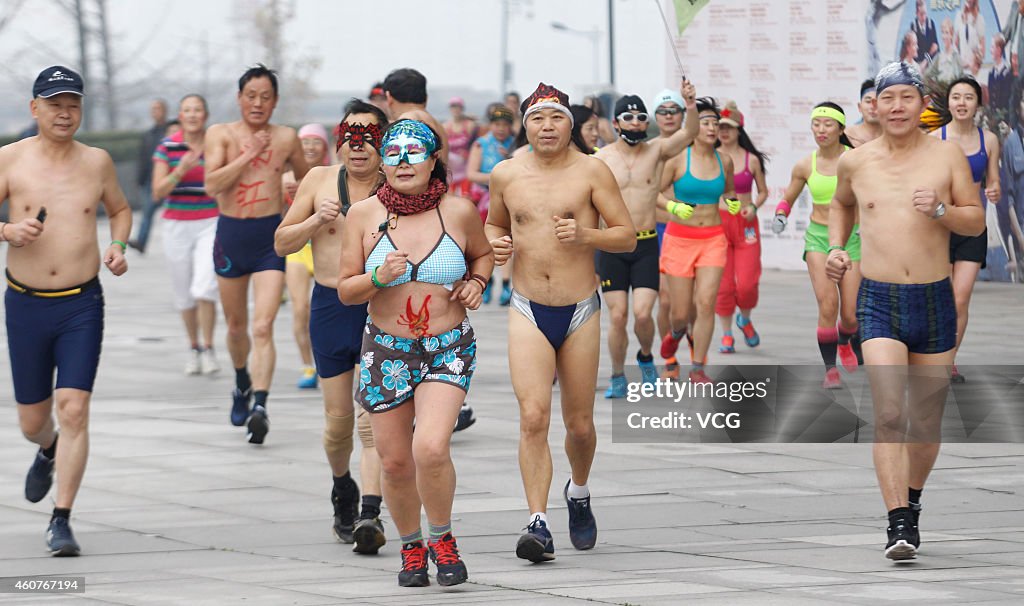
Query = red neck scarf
x=401 y=204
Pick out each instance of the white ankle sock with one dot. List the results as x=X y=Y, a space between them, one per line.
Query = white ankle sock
x=578 y=492
x=540 y=514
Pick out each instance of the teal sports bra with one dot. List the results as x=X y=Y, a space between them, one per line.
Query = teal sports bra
x=692 y=190
x=444 y=264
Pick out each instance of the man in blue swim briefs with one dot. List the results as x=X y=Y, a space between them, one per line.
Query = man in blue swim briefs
x=54 y=302
x=545 y=208
x=244 y=163
x=336 y=330
x=912 y=191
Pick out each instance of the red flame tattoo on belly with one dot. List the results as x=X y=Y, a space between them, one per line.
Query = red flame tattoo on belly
x=417 y=321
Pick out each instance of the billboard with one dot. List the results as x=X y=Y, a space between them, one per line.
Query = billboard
x=779 y=59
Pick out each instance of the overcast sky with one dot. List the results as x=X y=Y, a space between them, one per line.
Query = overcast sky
x=456 y=43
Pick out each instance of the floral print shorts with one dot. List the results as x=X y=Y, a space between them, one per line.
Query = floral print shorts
x=392 y=367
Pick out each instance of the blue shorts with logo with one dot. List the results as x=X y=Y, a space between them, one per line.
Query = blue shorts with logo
x=49 y=330
x=335 y=331
x=246 y=246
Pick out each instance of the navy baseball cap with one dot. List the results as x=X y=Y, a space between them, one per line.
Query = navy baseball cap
x=56 y=80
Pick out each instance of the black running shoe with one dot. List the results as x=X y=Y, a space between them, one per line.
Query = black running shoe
x=414 y=566
x=346 y=510
x=259 y=425
x=915 y=518
x=582 y=525
x=369 y=536
x=466 y=418
x=451 y=570
x=240 y=406
x=60 y=540
x=39 y=478
x=903 y=538
x=536 y=543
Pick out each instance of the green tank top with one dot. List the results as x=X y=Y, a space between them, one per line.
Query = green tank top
x=822 y=187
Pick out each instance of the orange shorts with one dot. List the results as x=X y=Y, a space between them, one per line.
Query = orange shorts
x=681 y=255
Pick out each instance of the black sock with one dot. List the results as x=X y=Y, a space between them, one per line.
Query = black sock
x=50 y=452
x=899 y=512
x=59 y=512
x=242 y=380
x=915 y=497
x=259 y=398
x=371 y=506
x=640 y=357
x=343 y=484
x=828 y=344
x=505 y=283
x=845 y=337
x=855 y=343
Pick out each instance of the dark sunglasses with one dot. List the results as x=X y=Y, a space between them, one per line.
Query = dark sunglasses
x=668 y=111
x=628 y=117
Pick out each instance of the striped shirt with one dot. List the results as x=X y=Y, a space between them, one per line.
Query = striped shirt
x=188 y=200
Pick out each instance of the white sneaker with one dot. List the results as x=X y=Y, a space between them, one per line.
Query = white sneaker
x=208 y=362
x=193 y=366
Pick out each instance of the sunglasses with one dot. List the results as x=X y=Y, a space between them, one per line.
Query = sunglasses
x=628 y=117
x=668 y=111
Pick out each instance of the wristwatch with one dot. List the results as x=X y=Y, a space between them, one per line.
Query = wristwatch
x=940 y=211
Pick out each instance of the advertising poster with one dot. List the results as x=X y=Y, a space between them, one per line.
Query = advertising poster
x=779 y=59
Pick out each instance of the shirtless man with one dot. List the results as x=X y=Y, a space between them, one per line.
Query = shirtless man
x=637 y=166
x=54 y=302
x=336 y=329
x=545 y=206
x=406 y=92
x=912 y=190
x=244 y=163
x=869 y=129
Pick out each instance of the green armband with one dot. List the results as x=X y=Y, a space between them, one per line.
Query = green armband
x=373 y=277
x=123 y=246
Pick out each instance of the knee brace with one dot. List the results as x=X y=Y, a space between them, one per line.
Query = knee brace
x=338 y=436
x=365 y=430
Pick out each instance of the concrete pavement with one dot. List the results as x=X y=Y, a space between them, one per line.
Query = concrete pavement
x=176 y=508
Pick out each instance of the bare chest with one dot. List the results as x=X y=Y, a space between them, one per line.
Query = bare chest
x=70 y=192
x=534 y=202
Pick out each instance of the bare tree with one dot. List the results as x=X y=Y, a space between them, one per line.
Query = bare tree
x=9 y=10
x=268 y=20
x=103 y=31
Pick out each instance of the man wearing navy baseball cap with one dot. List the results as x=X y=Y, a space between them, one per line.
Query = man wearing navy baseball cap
x=54 y=301
x=56 y=80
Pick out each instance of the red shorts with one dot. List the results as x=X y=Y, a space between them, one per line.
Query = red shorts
x=685 y=248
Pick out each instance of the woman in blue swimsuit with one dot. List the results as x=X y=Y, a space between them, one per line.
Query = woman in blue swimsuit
x=967 y=253
x=421 y=259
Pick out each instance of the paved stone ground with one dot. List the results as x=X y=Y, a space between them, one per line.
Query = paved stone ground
x=177 y=509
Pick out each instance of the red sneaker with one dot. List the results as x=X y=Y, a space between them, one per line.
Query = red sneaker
x=833 y=380
x=699 y=376
x=671 y=369
x=669 y=345
x=728 y=345
x=848 y=358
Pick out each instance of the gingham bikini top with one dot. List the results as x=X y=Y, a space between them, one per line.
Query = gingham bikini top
x=444 y=264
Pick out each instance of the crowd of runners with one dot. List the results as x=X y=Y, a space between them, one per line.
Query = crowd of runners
x=552 y=208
